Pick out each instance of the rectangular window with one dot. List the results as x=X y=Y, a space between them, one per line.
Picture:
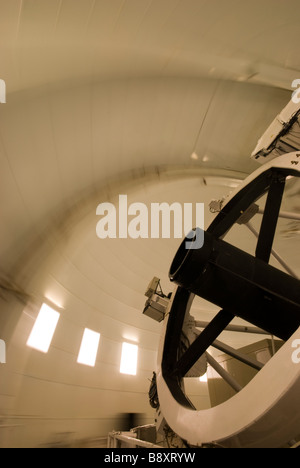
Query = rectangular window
x=129 y=359
x=89 y=348
x=43 y=329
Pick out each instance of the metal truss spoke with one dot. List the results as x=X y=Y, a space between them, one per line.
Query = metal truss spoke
x=237 y=355
x=223 y=373
x=270 y=219
x=203 y=342
x=274 y=253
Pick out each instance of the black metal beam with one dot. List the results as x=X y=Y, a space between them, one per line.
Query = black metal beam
x=270 y=219
x=238 y=282
x=239 y=204
x=171 y=346
x=203 y=342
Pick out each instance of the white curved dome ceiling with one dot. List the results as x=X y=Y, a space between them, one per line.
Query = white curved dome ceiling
x=104 y=95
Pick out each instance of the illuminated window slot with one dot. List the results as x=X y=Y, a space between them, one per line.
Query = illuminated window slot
x=43 y=330
x=89 y=348
x=129 y=359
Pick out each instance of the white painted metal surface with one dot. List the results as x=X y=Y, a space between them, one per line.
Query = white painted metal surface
x=287 y=161
x=274 y=130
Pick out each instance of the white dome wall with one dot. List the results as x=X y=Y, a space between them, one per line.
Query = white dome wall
x=97 y=284
x=57 y=146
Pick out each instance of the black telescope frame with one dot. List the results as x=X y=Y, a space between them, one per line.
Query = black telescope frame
x=175 y=365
